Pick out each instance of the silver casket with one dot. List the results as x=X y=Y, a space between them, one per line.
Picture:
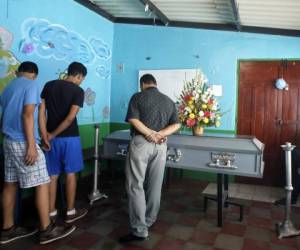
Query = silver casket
x=216 y=153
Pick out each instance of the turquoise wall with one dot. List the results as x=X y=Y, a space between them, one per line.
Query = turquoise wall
x=215 y=52
x=53 y=34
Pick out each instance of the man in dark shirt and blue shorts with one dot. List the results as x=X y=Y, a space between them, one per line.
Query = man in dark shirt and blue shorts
x=153 y=117
x=61 y=100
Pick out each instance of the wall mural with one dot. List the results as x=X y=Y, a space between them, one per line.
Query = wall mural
x=102 y=72
x=54 y=40
x=105 y=113
x=8 y=62
x=89 y=99
x=47 y=40
x=63 y=74
x=100 y=48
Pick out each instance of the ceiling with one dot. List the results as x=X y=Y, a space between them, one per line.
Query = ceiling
x=280 y=17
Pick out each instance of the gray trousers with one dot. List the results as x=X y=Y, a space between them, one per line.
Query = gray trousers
x=145 y=166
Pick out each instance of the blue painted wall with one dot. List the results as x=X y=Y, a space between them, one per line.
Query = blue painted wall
x=53 y=34
x=93 y=39
x=179 y=48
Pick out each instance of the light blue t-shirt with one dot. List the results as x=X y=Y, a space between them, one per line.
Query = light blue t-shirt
x=19 y=92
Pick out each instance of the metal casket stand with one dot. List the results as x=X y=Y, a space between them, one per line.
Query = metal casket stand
x=95 y=194
x=286 y=228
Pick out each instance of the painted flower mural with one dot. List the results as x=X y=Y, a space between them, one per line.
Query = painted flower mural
x=89 y=99
x=6 y=39
x=105 y=113
x=8 y=62
x=26 y=48
x=63 y=75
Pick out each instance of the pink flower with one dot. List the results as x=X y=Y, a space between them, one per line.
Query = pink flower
x=190 y=122
x=207 y=114
x=210 y=102
x=181 y=108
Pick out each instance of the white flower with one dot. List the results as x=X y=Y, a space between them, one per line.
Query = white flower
x=188 y=109
x=201 y=113
x=204 y=98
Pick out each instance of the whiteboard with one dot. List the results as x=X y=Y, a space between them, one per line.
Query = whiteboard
x=170 y=82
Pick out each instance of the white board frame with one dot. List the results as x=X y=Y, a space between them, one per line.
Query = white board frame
x=170 y=82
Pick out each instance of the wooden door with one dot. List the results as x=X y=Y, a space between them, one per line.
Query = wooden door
x=270 y=114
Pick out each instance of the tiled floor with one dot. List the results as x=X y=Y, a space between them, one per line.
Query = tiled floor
x=250 y=192
x=182 y=224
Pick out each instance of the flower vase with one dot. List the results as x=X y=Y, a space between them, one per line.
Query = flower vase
x=198 y=130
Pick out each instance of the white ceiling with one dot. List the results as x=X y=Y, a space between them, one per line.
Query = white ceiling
x=283 y=14
x=207 y=11
x=271 y=16
x=122 y=8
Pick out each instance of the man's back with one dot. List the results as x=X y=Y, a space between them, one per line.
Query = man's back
x=153 y=108
x=59 y=96
x=21 y=91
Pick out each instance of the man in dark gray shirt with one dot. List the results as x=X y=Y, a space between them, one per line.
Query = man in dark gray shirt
x=153 y=117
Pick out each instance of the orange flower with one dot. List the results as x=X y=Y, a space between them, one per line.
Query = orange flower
x=187 y=98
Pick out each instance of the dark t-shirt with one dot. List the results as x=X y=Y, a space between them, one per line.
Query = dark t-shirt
x=152 y=108
x=59 y=96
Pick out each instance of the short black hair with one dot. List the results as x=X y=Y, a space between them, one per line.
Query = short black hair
x=29 y=67
x=77 y=68
x=147 y=79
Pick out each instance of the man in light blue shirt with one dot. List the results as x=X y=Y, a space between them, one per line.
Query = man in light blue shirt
x=24 y=163
x=12 y=124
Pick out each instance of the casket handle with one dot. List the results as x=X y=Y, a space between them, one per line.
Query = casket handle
x=218 y=165
x=176 y=156
x=123 y=152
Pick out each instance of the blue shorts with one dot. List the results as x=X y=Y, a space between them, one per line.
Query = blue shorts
x=65 y=156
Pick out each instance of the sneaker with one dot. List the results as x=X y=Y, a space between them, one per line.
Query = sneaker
x=53 y=218
x=78 y=214
x=130 y=238
x=15 y=233
x=54 y=232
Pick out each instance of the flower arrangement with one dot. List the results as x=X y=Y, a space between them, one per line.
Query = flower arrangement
x=197 y=105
